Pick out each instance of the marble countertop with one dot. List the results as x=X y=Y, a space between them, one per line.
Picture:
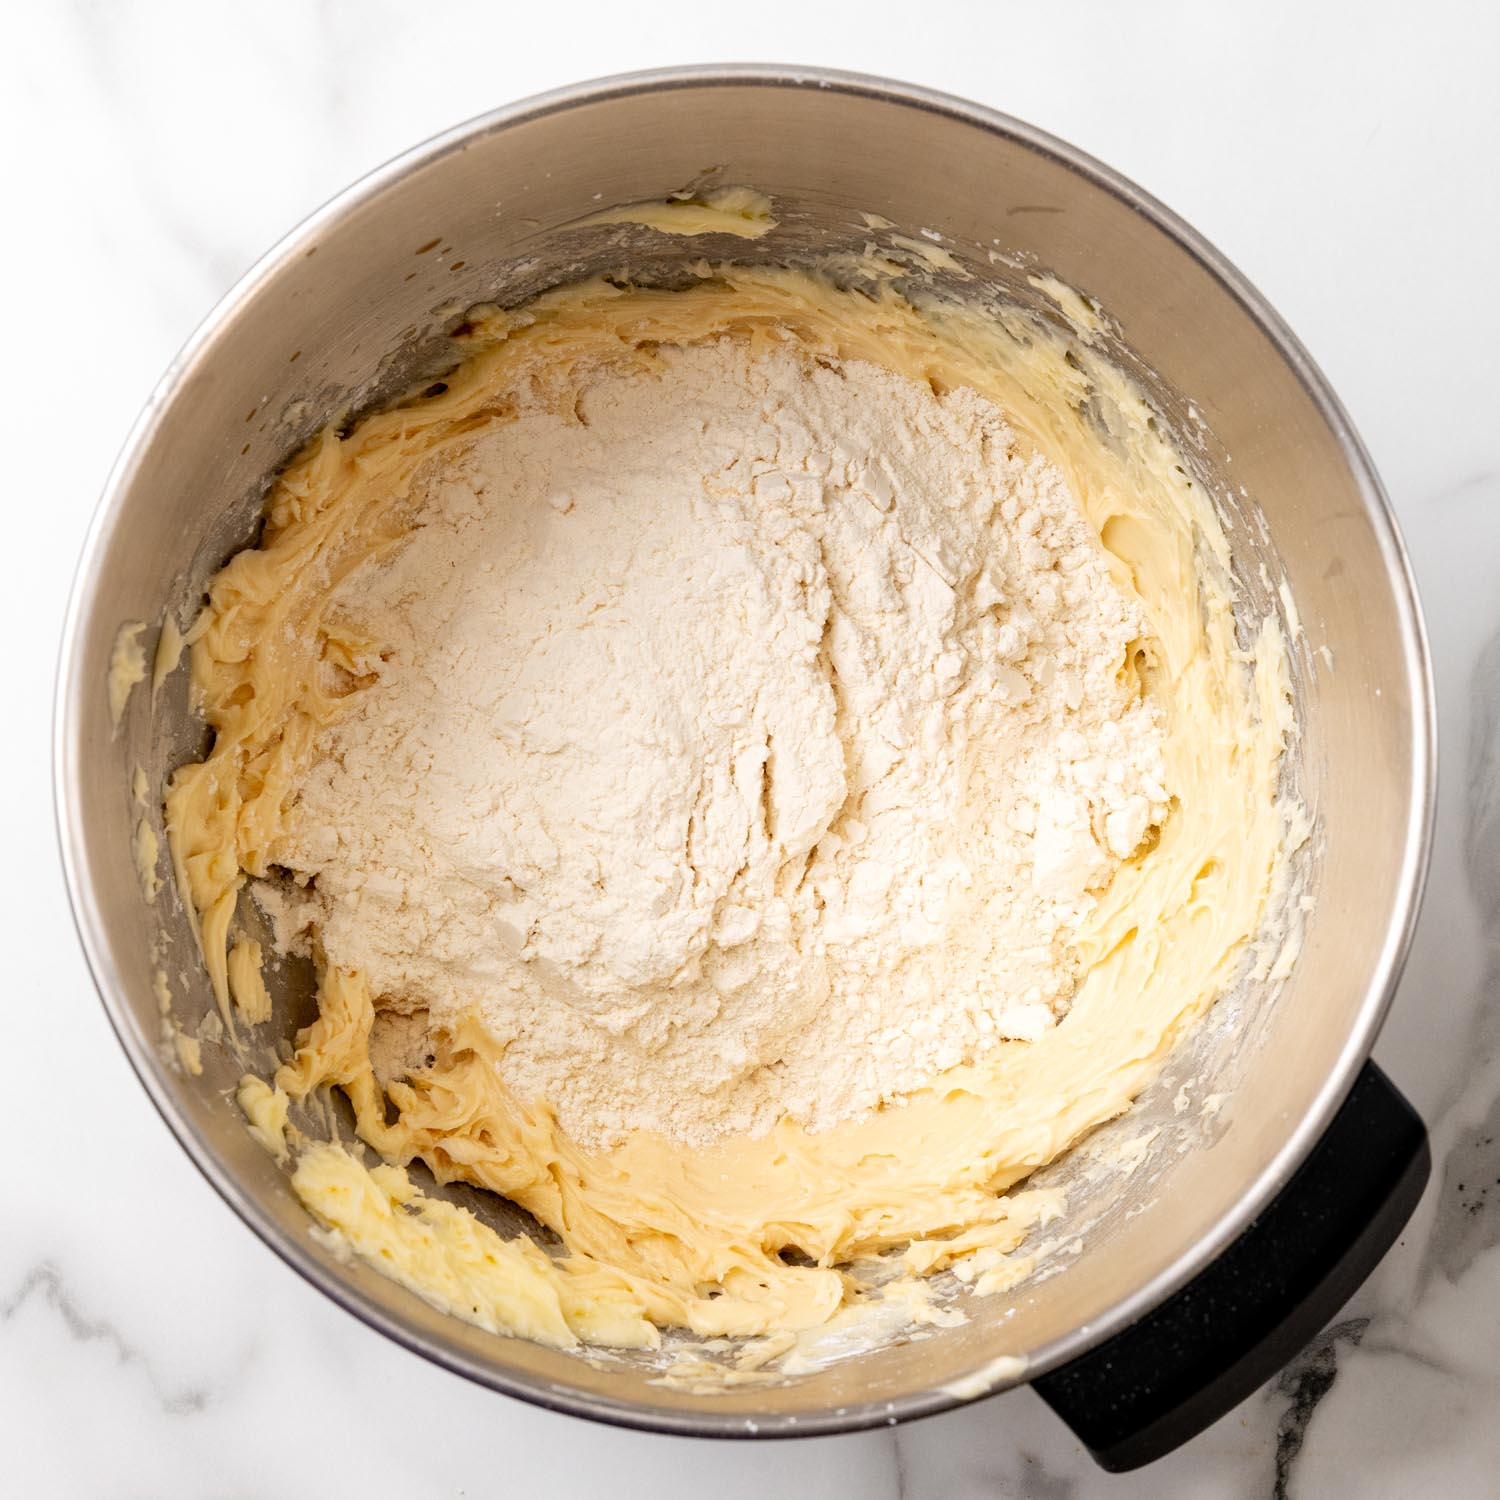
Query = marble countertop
x=1343 y=155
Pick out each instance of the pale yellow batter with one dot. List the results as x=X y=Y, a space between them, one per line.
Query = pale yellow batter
x=660 y=1235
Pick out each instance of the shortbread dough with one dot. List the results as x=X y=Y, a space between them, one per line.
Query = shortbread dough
x=733 y=743
x=660 y=1233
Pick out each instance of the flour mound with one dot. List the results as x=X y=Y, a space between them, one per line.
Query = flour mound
x=741 y=735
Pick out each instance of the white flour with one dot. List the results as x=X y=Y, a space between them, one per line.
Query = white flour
x=746 y=744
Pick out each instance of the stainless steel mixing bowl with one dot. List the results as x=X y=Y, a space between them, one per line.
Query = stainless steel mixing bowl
x=361 y=299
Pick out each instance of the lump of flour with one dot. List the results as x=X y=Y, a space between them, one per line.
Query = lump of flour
x=742 y=739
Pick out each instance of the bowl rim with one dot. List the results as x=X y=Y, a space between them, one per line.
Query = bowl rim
x=1416 y=836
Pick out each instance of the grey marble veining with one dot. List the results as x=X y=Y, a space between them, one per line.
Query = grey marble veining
x=1304 y=1383
x=1342 y=154
x=44 y=1292
x=1468 y=1222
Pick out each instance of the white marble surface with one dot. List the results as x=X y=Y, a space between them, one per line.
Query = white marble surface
x=1344 y=155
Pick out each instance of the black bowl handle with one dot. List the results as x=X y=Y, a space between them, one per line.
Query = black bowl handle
x=1163 y=1380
